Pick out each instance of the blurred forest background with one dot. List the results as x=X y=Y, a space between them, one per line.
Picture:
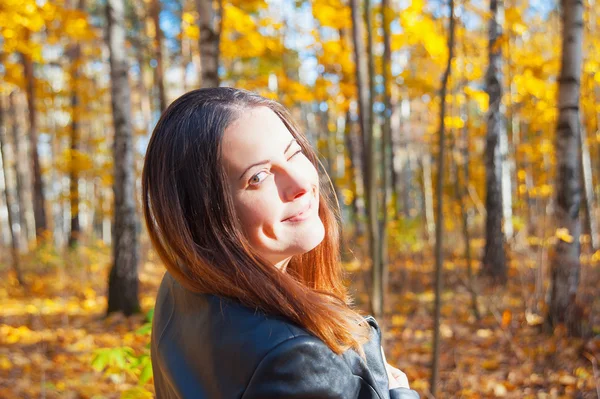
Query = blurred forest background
x=462 y=139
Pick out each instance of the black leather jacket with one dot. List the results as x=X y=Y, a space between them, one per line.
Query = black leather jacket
x=208 y=347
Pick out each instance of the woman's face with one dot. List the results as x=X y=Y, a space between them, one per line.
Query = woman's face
x=275 y=187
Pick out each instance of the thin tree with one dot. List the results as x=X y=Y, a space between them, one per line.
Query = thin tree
x=462 y=189
x=20 y=176
x=74 y=55
x=439 y=223
x=352 y=138
x=9 y=199
x=39 y=202
x=587 y=179
x=494 y=259
x=565 y=265
x=123 y=279
x=371 y=187
x=210 y=22
x=365 y=117
x=386 y=146
x=159 y=70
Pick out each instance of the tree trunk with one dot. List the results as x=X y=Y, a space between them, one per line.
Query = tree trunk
x=386 y=147
x=494 y=259
x=328 y=140
x=404 y=165
x=364 y=116
x=428 y=198
x=352 y=139
x=394 y=178
x=439 y=223
x=352 y=169
x=565 y=265
x=75 y=53
x=210 y=37
x=184 y=45
x=123 y=280
x=9 y=198
x=75 y=230
x=39 y=203
x=507 y=213
x=364 y=85
x=19 y=172
x=158 y=71
x=461 y=194
x=588 y=190
x=513 y=120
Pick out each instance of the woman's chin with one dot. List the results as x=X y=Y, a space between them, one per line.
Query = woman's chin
x=311 y=237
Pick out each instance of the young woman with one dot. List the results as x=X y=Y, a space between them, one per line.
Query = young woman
x=253 y=303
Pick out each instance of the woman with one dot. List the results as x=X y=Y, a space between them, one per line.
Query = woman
x=253 y=303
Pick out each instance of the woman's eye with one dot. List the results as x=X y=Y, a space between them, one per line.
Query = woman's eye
x=258 y=178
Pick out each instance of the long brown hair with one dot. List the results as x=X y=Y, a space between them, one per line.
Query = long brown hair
x=192 y=223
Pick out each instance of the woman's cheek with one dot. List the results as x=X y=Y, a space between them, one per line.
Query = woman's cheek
x=252 y=213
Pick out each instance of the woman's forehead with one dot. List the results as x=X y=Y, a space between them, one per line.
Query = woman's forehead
x=258 y=134
x=257 y=131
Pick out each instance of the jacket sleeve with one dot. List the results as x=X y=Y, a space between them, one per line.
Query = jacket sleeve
x=403 y=393
x=304 y=367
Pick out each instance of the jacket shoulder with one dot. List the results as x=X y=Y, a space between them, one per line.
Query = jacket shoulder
x=203 y=342
x=304 y=367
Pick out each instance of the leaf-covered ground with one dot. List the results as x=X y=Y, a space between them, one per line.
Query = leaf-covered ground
x=50 y=334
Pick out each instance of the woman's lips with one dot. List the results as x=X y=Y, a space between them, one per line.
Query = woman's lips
x=302 y=215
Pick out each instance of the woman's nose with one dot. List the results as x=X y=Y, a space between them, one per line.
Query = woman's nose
x=293 y=183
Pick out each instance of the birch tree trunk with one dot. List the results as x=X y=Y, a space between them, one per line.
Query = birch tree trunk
x=9 y=198
x=364 y=115
x=462 y=193
x=428 y=198
x=439 y=223
x=403 y=159
x=507 y=212
x=123 y=279
x=565 y=265
x=39 y=202
x=20 y=174
x=210 y=37
x=494 y=259
x=588 y=190
x=159 y=77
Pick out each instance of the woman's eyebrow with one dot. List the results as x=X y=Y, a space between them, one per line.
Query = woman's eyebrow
x=265 y=161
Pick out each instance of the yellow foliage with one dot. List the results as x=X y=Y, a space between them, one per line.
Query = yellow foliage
x=563 y=234
x=76 y=25
x=295 y=91
x=191 y=32
x=249 y=6
x=479 y=96
x=236 y=21
x=419 y=28
x=189 y=18
x=74 y=160
x=453 y=122
x=332 y=14
x=13 y=74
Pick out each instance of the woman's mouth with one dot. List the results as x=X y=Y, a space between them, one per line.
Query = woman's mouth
x=303 y=214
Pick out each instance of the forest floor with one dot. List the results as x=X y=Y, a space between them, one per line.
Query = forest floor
x=50 y=334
